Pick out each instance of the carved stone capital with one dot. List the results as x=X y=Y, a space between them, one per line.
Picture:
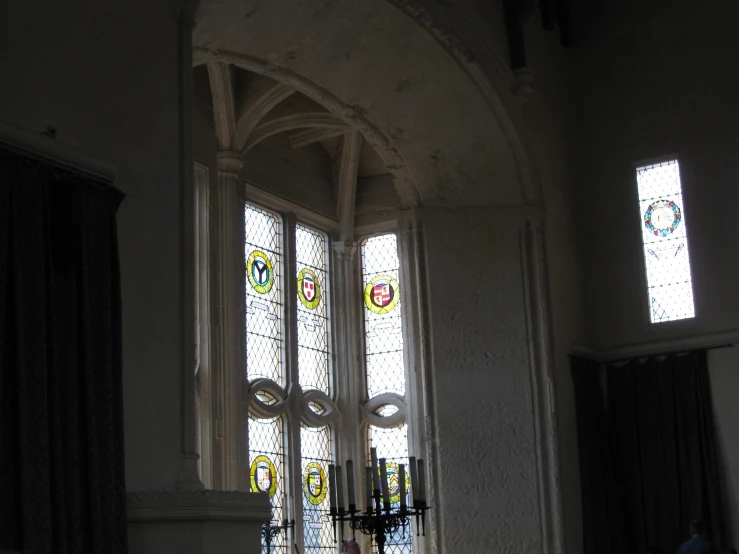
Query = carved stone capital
x=345 y=248
x=229 y=162
x=179 y=505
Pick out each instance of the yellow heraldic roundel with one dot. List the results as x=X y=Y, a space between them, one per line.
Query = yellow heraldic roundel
x=393 y=477
x=263 y=476
x=382 y=294
x=315 y=486
x=309 y=289
x=259 y=271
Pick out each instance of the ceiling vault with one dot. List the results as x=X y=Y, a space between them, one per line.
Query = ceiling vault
x=257 y=105
x=309 y=136
x=290 y=122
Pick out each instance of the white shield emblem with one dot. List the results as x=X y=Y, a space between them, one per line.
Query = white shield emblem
x=264 y=477
x=314 y=483
x=309 y=288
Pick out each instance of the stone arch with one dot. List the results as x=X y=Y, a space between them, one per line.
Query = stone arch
x=414 y=93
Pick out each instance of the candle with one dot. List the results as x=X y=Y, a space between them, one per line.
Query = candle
x=384 y=481
x=340 y=489
x=368 y=484
x=414 y=480
x=401 y=484
x=332 y=487
x=350 y=485
x=375 y=470
x=421 y=484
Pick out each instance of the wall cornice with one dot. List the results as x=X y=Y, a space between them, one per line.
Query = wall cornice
x=178 y=505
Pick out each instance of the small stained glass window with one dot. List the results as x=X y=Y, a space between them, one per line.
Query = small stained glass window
x=392 y=444
x=315 y=446
x=267 y=470
x=263 y=253
x=311 y=250
x=664 y=236
x=383 y=330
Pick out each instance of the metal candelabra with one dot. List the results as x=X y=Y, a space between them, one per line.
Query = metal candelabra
x=382 y=520
x=271 y=532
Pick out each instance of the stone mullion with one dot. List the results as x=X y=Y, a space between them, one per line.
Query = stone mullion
x=230 y=385
x=347 y=389
x=292 y=377
x=419 y=395
x=542 y=379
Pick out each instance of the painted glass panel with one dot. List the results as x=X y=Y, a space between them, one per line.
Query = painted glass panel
x=664 y=236
x=313 y=311
x=315 y=445
x=392 y=444
x=263 y=252
x=267 y=470
x=382 y=315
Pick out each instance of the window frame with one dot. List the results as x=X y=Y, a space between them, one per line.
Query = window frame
x=644 y=164
x=347 y=423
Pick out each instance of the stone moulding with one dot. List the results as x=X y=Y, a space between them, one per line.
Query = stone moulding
x=179 y=505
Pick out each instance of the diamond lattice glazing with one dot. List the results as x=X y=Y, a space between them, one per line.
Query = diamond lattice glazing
x=263 y=254
x=266 y=444
x=662 y=219
x=313 y=311
x=382 y=316
x=392 y=444
x=315 y=445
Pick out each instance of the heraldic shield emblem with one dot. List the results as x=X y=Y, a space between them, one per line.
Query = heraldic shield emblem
x=309 y=289
x=314 y=483
x=381 y=294
x=263 y=475
x=259 y=272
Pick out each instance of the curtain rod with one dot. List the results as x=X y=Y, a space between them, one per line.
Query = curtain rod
x=723 y=339
x=46 y=148
x=664 y=353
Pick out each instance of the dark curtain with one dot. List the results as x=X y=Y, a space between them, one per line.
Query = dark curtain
x=62 y=486
x=656 y=453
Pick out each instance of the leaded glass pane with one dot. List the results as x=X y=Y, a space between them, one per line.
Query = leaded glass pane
x=392 y=444
x=267 y=470
x=662 y=218
x=263 y=253
x=315 y=445
x=382 y=315
x=313 y=325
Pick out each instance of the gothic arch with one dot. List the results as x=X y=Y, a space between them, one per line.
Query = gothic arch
x=414 y=92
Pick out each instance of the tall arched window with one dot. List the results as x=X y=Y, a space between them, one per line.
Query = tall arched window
x=293 y=424
x=387 y=428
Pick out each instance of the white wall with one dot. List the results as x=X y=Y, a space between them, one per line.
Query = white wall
x=482 y=384
x=105 y=74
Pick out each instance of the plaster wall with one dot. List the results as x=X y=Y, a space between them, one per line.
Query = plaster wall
x=76 y=66
x=549 y=124
x=484 y=422
x=657 y=85
x=654 y=82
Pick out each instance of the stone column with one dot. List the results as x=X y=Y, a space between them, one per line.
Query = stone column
x=230 y=467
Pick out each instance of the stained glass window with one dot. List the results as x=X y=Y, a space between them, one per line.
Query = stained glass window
x=310 y=441
x=263 y=252
x=664 y=236
x=392 y=444
x=382 y=316
x=315 y=447
x=385 y=364
x=311 y=249
x=267 y=469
